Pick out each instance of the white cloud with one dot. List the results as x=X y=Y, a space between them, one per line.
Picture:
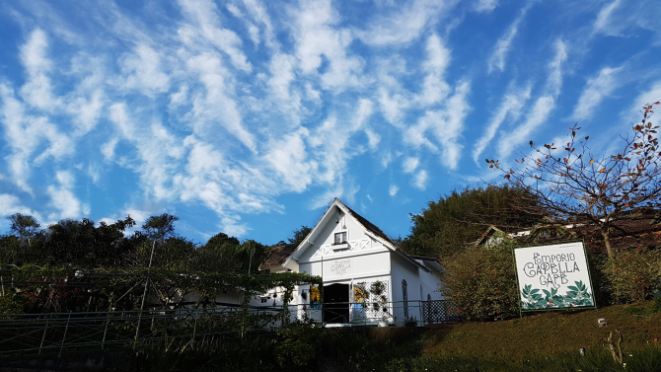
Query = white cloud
x=392 y=191
x=142 y=71
x=288 y=156
x=11 y=204
x=403 y=23
x=510 y=107
x=542 y=108
x=537 y=116
x=258 y=12
x=205 y=27
x=594 y=92
x=410 y=164
x=485 y=5
x=435 y=89
x=420 y=180
x=647 y=97
x=24 y=135
x=63 y=198
x=504 y=44
x=37 y=90
x=601 y=23
x=446 y=125
x=231 y=227
x=316 y=39
x=216 y=106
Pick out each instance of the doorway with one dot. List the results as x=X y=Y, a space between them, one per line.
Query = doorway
x=336 y=303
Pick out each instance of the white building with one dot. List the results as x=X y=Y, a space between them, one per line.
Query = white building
x=354 y=256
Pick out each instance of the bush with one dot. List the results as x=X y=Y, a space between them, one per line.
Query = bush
x=12 y=304
x=482 y=281
x=633 y=275
x=297 y=345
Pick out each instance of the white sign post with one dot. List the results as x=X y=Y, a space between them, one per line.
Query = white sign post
x=553 y=277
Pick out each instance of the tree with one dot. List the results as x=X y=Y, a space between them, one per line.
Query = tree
x=299 y=235
x=576 y=187
x=447 y=226
x=71 y=242
x=159 y=227
x=25 y=226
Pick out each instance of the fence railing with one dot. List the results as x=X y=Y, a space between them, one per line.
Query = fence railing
x=52 y=333
x=397 y=313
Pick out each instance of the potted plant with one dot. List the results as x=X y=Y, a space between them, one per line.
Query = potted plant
x=384 y=319
x=378 y=288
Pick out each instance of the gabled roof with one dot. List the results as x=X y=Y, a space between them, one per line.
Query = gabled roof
x=277 y=256
x=625 y=234
x=491 y=231
x=369 y=226
x=371 y=229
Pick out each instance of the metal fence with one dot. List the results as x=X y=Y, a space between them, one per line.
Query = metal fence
x=37 y=333
x=52 y=333
x=399 y=313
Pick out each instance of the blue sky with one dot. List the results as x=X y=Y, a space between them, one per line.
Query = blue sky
x=249 y=117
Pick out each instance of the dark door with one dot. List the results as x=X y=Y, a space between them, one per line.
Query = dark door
x=336 y=303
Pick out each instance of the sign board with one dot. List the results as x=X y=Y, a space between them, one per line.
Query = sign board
x=553 y=277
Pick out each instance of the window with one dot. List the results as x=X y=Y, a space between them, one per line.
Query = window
x=340 y=237
x=263 y=300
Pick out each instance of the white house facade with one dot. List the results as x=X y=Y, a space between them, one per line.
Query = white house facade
x=367 y=278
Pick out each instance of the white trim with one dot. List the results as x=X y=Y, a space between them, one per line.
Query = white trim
x=339 y=247
x=340 y=279
x=341 y=255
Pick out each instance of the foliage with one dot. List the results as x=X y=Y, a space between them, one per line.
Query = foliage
x=298 y=344
x=482 y=281
x=633 y=275
x=299 y=235
x=159 y=227
x=84 y=244
x=370 y=350
x=70 y=289
x=26 y=227
x=12 y=303
x=447 y=226
x=220 y=353
x=579 y=187
x=81 y=244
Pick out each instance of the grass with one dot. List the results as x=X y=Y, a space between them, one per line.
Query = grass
x=541 y=342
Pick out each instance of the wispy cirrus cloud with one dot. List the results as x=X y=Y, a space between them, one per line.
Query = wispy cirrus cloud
x=504 y=44
x=601 y=24
x=510 y=107
x=542 y=107
x=594 y=92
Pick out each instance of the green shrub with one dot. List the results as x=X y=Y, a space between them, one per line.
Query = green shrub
x=656 y=306
x=12 y=304
x=482 y=281
x=633 y=275
x=297 y=344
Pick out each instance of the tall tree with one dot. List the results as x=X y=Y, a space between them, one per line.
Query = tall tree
x=299 y=235
x=447 y=226
x=573 y=185
x=159 y=228
x=71 y=242
x=25 y=226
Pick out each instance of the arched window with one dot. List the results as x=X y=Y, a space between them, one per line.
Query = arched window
x=405 y=298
